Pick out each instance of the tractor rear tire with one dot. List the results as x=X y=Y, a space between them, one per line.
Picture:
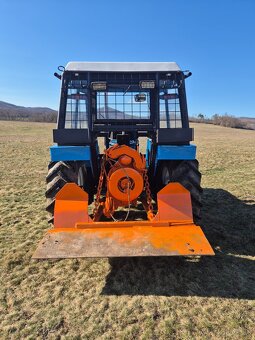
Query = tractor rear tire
x=59 y=174
x=187 y=174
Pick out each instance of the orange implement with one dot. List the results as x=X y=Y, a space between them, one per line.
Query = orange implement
x=172 y=232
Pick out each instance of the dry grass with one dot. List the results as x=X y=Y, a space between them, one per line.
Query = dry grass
x=167 y=298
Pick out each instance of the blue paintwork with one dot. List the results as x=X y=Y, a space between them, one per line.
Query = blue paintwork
x=112 y=142
x=176 y=152
x=69 y=153
x=170 y=152
x=132 y=143
x=148 y=150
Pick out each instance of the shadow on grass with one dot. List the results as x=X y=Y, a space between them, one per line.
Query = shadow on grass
x=229 y=226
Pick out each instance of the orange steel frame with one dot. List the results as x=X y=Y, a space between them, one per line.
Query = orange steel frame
x=171 y=232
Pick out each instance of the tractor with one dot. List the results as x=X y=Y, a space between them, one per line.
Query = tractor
x=123 y=179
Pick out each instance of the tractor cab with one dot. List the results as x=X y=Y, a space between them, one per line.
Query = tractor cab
x=136 y=99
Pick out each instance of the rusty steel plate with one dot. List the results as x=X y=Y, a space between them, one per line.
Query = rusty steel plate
x=144 y=240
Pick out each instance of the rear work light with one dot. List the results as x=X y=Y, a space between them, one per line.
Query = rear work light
x=147 y=84
x=99 y=85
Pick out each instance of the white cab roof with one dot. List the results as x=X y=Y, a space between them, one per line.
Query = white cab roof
x=122 y=66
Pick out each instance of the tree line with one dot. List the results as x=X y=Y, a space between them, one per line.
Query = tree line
x=223 y=120
x=29 y=115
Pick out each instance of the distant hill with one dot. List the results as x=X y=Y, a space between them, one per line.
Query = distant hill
x=249 y=121
x=111 y=113
x=35 y=114
x=10 y=111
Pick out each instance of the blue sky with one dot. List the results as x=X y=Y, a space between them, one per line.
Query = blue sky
x=213 y=39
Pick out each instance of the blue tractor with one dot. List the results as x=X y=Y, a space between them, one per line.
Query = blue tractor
x=107 y=110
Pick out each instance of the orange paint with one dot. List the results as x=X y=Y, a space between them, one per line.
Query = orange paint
x=138 y=240
x=171 y=232
x=117 y=151
x=124 y=179
x=121 y=176
x=125 y=160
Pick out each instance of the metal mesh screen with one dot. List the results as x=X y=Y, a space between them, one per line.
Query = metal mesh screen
x=76 y=106
x=170 y=114
x=119 y=105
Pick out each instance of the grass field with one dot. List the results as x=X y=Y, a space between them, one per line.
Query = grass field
x=146 y=298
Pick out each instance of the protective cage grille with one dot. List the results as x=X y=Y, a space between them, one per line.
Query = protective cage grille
x=118 y=102
x=118 y=105
x=169 y=106
x=76 y=105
